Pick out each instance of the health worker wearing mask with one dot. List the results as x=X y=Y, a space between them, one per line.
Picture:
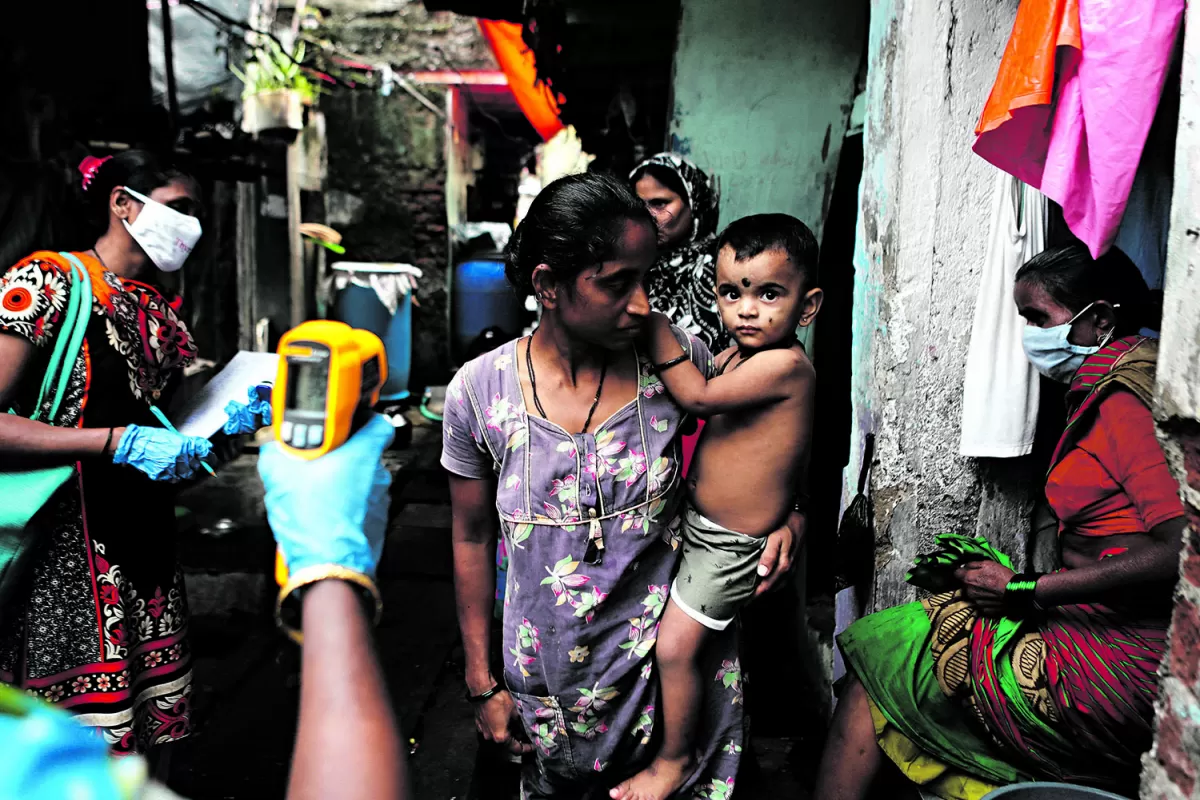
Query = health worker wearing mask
x=1061 y=669
x=98 y=622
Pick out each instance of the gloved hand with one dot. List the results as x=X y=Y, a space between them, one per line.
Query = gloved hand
x=49 y=756
x=247 y=417
x=331 y=510
x=161 y=454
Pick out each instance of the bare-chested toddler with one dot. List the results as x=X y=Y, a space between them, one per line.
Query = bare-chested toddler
x=747 y=466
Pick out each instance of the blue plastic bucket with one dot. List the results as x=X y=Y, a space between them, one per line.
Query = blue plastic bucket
x=1050 y=791
x=359 y=307
x=483 y=299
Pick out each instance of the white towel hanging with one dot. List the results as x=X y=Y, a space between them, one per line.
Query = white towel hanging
x=1000 y=389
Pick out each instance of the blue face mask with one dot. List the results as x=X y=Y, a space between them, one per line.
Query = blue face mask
x=1051 y=353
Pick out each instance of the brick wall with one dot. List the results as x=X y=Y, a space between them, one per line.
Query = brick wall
x=1172 y=768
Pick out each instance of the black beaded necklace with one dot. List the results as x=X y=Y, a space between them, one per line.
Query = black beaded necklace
x=533 y=385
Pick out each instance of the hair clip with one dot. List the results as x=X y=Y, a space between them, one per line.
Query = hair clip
x=89 y=167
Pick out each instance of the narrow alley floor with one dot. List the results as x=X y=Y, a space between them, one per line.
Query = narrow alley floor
x=247 y=674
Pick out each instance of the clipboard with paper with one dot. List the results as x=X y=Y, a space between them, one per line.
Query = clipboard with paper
x=204 y=413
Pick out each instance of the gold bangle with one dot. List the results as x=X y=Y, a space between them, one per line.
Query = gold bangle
x=321 y=572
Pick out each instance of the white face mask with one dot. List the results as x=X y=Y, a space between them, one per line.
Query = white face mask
x=166 y=235
x=1050 y=352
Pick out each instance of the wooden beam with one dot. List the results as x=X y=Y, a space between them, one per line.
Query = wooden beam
x=247 y=258
x=470 y=77
x=297 y=296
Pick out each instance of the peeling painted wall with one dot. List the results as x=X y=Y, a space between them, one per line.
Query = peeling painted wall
x=925 y=203
x=1172 y=768
x=762 y=96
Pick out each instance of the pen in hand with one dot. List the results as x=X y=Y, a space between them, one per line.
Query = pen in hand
x=161 y=417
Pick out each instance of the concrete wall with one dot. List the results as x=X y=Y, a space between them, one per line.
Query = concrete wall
x=1172 y=768
x=925 y=202
x=762 y=93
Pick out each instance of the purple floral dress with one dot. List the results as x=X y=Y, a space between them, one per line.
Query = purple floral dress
x=587 y=522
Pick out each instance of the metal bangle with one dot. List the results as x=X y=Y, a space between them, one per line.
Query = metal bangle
x=287 y=614
x=666 y=365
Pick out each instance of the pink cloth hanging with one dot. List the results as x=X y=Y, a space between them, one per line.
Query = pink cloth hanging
x=1082 y=150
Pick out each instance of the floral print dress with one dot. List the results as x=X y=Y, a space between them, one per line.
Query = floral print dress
x=587 y=521
x=101 y=628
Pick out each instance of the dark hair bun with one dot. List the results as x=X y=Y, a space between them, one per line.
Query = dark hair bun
x=573 y=223
x=522 y=282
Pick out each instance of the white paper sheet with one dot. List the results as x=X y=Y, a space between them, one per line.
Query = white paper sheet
x=204 y=414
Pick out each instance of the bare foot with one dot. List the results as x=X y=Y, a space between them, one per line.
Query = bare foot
x=658 y=781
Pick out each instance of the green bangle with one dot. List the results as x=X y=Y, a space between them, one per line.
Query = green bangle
x=1019 y=592
x=479 y=699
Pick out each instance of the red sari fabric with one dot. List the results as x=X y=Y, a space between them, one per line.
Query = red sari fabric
x=1100 y=666
x=1115 y=479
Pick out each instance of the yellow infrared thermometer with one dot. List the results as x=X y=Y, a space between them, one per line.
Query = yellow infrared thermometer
x=329 y=377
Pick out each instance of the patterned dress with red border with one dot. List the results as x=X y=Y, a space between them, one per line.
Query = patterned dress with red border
x=101 y=627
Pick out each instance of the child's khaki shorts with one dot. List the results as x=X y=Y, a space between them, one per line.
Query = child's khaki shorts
x=718 y=572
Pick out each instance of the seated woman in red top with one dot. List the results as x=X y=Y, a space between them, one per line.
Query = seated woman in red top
x=1009 y=677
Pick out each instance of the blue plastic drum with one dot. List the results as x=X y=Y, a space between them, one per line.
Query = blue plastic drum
x=483 y=299
x=360 y=307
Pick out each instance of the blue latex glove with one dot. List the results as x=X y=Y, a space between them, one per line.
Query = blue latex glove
x=48 y=756
x=333 y=509
x=247 y=417
x=160 y=453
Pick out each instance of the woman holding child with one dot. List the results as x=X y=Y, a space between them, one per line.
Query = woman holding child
x=571 y=437
x=1006 y=677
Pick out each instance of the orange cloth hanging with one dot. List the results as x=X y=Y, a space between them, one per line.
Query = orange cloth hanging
x=1026 y=76
x=1073 y=102
x=516 y=60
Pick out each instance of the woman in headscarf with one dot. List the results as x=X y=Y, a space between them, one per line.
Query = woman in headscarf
x=685 y=204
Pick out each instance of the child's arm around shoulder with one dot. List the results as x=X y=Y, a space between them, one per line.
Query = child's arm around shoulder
x=769 y=377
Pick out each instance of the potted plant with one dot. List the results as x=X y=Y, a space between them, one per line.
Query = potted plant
x=276 y=89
